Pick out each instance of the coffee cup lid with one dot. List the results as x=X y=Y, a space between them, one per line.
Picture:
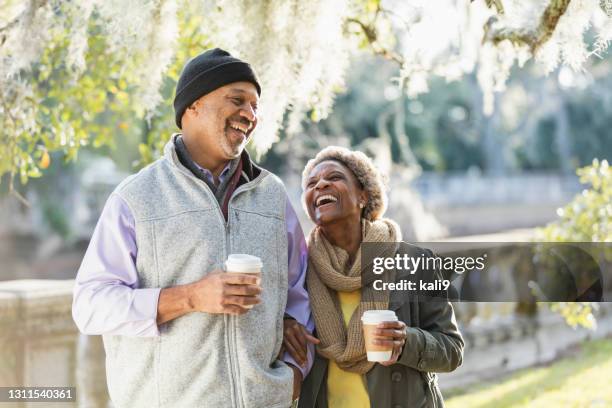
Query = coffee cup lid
x=244 y=260
x=375 y=316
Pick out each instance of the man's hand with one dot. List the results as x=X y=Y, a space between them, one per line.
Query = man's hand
x=217 y=292
x=221 y=292
x=297 y=381
x=391 y=334
x=295 y=338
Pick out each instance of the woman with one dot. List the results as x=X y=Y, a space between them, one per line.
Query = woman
x=344 y=197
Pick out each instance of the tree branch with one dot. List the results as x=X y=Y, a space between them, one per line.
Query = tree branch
x=534 y=39
x=29 y=10
x=498 y=5
x=372 y=36
x=18 y=195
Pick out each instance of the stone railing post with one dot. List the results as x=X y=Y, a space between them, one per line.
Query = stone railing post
x=40 y=344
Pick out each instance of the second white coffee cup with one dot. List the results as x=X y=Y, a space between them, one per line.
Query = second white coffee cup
x=370 y=320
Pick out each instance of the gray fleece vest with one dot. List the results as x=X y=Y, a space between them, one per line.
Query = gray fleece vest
x=201 y=359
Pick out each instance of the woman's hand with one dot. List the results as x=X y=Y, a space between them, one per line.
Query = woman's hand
x=391 y=334
x=297 y=381
x=295 y=338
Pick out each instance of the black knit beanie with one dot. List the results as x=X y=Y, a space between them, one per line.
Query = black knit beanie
x=207 y=72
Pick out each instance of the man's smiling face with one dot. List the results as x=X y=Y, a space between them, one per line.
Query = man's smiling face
x=223 y=120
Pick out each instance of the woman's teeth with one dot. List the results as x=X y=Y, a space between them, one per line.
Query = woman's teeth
x=325 y=199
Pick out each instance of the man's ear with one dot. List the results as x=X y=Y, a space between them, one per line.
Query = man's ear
x=193 y=106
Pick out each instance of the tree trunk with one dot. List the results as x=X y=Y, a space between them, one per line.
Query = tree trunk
x=494 y=146
x=562 y=138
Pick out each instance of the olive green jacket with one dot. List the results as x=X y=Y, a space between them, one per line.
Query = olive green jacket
x=434 y=344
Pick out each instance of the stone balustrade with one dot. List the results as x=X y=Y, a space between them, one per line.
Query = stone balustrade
x=41 y=346
x=500 y=345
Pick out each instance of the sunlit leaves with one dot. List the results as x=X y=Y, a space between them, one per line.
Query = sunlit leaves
x=576 y=313
x=81 y=89
x=588 y=218
x=88 y=73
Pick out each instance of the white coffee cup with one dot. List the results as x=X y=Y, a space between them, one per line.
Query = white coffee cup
x=244 y=263
x=370 y=319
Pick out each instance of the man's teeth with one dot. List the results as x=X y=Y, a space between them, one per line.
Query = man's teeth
x=240 y=128
x=328 y=197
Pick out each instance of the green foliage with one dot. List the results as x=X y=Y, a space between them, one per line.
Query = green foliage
x=160 y=124
x=96 y=108
x=56 y=218
x=589 y=114
x=576 y=313
x=70 y=110
x=67 y=110
x=588 y=218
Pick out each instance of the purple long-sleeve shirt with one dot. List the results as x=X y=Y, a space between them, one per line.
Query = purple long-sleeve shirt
x=107 y=296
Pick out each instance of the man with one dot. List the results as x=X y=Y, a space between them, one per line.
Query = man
x=177 y=329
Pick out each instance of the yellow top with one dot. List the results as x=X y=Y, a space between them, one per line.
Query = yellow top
x=346 y=389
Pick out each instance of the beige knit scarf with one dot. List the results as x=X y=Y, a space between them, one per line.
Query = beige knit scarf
x=329 y=273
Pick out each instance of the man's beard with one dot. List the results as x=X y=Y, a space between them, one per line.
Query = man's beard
x=233 y=149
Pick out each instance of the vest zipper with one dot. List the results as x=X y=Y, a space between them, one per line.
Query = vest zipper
x=231 y=320
x=231 y=325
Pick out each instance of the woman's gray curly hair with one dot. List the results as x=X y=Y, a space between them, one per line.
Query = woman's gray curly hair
x=365 y=171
